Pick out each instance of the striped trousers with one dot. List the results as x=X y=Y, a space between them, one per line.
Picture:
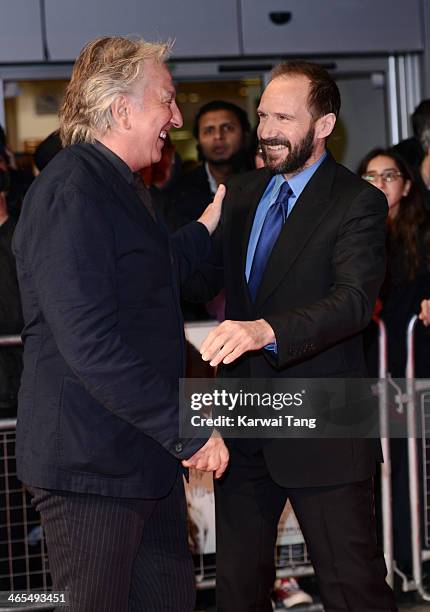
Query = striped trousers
x=118 y=555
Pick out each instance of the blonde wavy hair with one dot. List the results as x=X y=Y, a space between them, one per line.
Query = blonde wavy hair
x=105 y=68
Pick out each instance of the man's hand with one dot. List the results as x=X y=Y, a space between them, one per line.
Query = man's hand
x=212 y=212
x=231 y=339
x=425 y=312
x=212 y=457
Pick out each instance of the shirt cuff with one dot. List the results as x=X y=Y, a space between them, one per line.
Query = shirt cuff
x=272 y=347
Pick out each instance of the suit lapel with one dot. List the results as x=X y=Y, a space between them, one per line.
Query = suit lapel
x=136 y=208
x=123 y=193
x=310 y=209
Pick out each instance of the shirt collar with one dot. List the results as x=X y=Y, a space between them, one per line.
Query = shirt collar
x=212 y=182
x=115 y=160
x=299 y=181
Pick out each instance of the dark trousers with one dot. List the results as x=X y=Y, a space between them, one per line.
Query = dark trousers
x=119 y=555
x=338 y=525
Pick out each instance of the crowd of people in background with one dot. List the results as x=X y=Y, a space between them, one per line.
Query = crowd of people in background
x=225 y=147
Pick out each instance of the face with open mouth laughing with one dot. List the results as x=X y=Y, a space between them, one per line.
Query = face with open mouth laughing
x=286 y=128
x=154 y=113
x=295 y=157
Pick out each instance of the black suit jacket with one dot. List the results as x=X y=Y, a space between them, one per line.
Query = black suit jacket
x=317 y=292
x=189 y=197
x=104 y=342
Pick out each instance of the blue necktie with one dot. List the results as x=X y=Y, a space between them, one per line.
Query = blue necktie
x=270 y=231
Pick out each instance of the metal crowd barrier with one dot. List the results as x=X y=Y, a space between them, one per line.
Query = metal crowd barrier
x=416 y=402
x=386 y=498
x=23 y=556
x=417 y=388
x=10 y=341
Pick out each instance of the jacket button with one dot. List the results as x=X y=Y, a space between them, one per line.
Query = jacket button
x=179 y=447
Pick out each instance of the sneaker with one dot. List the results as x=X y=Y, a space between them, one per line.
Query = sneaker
x=289 y=594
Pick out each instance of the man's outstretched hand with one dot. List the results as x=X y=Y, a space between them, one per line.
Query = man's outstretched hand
x=211 y=215
x=231 y=339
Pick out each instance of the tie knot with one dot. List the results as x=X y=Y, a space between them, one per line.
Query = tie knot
x=284 y=192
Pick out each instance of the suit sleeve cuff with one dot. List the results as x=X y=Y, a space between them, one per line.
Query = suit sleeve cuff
x=185 y=448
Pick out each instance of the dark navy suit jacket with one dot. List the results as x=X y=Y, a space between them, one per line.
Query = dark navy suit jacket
x=104 y=341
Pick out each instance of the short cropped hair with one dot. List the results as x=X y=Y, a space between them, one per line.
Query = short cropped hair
x=421 y=118
x=105 y=68
x=216 y=105
x=421 y=124
x=324 y=96
x=425 y=139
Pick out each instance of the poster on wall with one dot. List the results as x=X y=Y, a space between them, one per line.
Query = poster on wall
x=201 y=513
x=201 y=517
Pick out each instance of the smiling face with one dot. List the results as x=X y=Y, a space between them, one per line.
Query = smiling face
x=286 y=128
x=220 y=136
x=395 y=186
x=153 y=111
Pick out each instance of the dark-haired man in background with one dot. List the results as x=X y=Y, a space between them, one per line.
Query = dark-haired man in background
x=411 y=149
x=416 y=150
x=220 y=129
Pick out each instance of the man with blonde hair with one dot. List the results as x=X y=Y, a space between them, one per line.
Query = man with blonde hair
x=98 y=441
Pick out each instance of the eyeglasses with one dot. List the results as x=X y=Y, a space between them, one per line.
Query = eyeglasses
x=388 y=176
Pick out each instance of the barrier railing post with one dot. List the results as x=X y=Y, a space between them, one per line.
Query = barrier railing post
x=386 y=499
x=10 y=340
x=413 y=467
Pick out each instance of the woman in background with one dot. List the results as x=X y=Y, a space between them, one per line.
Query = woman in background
x=407 y=282
x=406 y=285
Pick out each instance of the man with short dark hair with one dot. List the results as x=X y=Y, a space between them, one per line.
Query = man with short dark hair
x=416 y=150
x=220 y=128
x=412 y=149
x=301 y=254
